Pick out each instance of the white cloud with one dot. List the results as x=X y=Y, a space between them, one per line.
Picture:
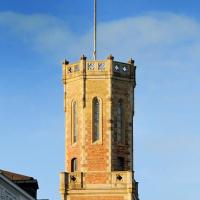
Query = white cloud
x=46 y=34
x=154 y=36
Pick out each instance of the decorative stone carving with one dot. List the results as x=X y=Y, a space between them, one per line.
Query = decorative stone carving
x=101 y=66
x=124 y=68
x=91 y=66
x=69 y=70
x=116 y=68
x=73 y=178
x=121 y=68
x=119 y=177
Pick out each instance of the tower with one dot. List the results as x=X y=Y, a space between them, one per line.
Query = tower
x=99 y=108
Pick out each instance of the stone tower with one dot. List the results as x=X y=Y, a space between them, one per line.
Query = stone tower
x=99 y=108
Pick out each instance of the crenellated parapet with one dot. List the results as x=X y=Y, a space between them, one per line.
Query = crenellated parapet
x=99 y=68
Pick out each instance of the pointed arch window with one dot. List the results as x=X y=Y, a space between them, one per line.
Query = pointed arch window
x=74 y=165
x=74 y=123
x=120 y=120
x=96 y=119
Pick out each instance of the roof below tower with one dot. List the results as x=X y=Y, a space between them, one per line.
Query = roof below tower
x=27 y=183
x=15 y=177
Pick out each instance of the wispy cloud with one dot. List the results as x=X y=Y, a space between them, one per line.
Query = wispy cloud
x=155 y=36
x=43 y=33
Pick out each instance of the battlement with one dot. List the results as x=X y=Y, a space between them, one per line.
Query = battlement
x=98 y=68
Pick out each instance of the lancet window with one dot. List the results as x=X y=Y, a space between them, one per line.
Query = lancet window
x=74 y=122
x=120 y=122
x=74 y=165
x=96 y=119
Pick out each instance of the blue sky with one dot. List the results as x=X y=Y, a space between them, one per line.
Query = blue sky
x=164 y=39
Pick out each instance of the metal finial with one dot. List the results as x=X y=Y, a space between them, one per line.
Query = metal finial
x=95 y=30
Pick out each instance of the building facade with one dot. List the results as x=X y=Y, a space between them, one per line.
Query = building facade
x=99 y=108
x=17 y=187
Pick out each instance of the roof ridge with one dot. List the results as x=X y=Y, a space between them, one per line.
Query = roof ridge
x=15 y=176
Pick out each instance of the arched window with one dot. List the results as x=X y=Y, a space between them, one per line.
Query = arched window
x=120 y=132
x=74 y=122
x=74 y=165
x=96 y=119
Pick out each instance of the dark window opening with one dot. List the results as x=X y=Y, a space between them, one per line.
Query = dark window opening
x=120 y=164
x=96 y=119
x=119 y=123
x=75 y=123
x=74 y=165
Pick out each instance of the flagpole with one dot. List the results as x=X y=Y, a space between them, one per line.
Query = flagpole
x=95 y=30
